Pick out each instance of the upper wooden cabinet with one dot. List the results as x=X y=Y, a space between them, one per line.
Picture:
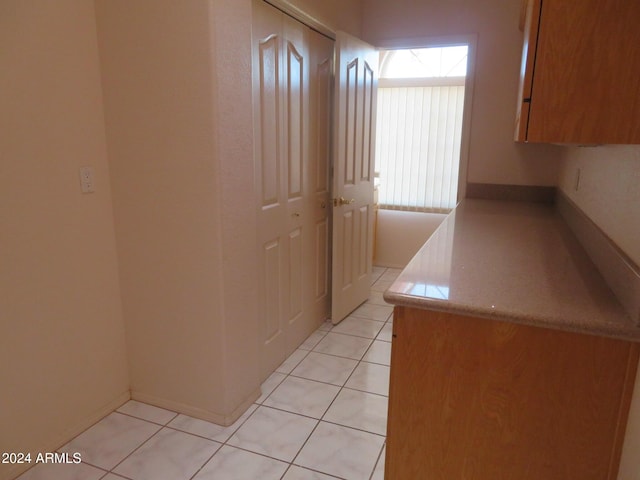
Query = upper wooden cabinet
x=580 y=75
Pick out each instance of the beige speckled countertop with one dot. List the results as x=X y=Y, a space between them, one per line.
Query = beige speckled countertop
x=511 y=261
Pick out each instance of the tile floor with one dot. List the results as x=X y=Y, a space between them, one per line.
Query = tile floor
x=322 y=415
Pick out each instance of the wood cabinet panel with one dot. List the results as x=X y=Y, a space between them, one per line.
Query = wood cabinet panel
x=585 y=85
x=480 y=399
x=532 y=17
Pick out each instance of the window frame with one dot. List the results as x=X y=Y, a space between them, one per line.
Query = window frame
x=387 y=55
x=471 y=41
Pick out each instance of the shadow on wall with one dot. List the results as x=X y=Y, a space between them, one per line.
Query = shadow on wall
x=400 y=235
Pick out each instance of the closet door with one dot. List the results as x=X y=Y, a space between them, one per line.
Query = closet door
x=296 y=229
x=291 y=159
x=318 y=285
x=270 y=178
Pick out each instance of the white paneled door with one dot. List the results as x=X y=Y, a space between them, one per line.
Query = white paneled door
x=292 y=74
x=353 y=145
x=318 y=177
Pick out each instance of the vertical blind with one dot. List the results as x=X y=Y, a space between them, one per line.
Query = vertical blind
x=418 y=146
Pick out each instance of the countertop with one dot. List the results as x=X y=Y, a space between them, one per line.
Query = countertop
x=512 y=261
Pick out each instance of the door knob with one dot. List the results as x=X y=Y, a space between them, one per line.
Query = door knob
x=337 y=202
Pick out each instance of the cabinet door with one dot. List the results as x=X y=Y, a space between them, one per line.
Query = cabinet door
x=585 y=85
x=532 y=18
x=481 y=399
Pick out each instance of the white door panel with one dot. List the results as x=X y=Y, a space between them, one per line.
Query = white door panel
x=354 y=135
x=270 y=168
x=320 y=89
x=291 y=88
x=295 y=85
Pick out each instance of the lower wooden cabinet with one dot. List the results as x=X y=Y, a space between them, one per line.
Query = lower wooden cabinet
x=479 y=399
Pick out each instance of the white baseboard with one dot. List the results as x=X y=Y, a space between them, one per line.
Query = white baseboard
x=217 y=418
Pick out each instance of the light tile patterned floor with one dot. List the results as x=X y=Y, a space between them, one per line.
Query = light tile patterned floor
x=322 y=415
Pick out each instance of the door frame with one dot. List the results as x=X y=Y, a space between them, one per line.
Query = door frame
x=303 y=17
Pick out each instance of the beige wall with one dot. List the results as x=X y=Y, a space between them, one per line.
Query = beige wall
x=178 y=115
x=399 y=235
x=62 y=348
x=345 y=15
x=233 y=142
x=493 y=156
x=609 y=190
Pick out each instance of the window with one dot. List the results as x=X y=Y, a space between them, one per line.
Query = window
x=425 y=62
x=420 y=110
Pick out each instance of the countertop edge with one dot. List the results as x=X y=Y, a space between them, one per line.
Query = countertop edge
x=409 y=301
x=609 y=319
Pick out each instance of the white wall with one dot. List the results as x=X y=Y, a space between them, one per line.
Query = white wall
x=178 y=113
x=493 y=155
x=62 y=347
x=609 y=190
x=399 y=235
x=345 y=15
x=230 y=21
